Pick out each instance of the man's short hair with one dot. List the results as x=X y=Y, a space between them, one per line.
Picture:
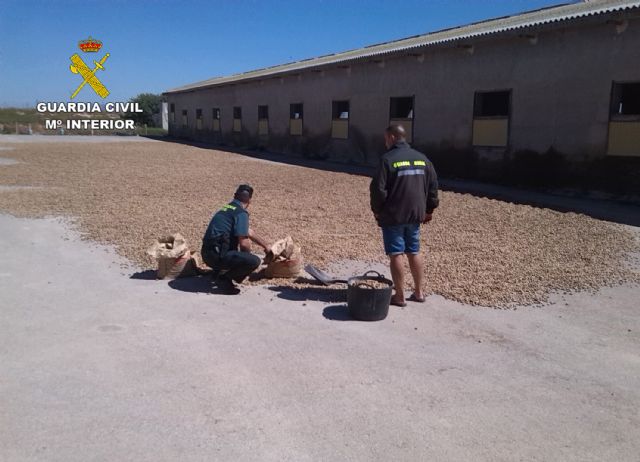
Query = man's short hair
x=397 y=131
x=244 y=193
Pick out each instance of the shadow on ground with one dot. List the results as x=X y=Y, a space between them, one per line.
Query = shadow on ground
x=337 y=313
x=195 y=284
x=602 y=209
x=146 y=275
x=202 y=284
x=319 y=294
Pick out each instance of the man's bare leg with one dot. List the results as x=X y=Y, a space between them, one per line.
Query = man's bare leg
x=416 y=263
x=397 y=274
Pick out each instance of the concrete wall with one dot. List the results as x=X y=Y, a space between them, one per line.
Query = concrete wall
x=560 y=81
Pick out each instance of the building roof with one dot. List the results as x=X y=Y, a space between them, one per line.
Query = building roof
x=549 y=15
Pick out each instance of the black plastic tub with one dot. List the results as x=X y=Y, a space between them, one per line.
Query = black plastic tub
x=367 y=302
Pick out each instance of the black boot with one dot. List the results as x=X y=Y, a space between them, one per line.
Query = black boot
x=225 y=286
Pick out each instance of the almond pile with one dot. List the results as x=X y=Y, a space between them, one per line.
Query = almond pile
x=478 y=251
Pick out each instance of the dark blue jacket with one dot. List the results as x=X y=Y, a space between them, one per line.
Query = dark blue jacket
x=404 y=188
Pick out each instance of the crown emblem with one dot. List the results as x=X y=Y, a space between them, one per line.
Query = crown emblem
x=90 y=45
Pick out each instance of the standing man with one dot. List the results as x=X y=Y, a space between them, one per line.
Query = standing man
x=226 y=246
x=404 y=193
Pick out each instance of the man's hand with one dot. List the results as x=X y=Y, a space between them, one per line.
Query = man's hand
x=268 y=258
x=427 y=218
x=244 y=244
x=258 y=240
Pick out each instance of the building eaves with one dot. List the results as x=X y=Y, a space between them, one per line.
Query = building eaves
x=509 y=23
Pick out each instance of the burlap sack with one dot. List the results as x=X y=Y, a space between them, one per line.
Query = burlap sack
x=173 y=268
x=173 y=246
x=281 y=267
x=173 y=257
x=283 y=248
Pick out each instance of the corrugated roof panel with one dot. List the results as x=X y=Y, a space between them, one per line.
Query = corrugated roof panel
x=533 y=18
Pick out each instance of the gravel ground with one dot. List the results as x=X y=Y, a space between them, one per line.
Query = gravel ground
x=479 y=251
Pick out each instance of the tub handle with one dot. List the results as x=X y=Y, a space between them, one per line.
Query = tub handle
x=378 y=275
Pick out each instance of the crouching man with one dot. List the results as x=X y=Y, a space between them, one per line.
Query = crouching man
x=226 y=246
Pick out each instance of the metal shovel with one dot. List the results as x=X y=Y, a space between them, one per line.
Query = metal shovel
x=322 y=276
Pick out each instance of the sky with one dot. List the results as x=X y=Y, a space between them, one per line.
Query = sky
x=158 y=45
